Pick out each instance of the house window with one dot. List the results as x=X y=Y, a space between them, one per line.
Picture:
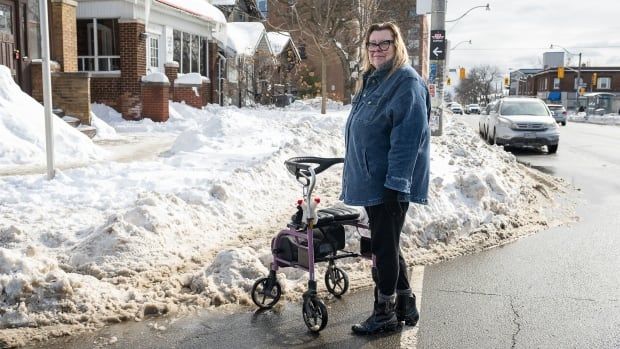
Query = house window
x=556 y=83
x=154 y=51
x=542 y=84
x=98 y=45
x=603 y=83
x=575 y=85
x=6 y=19
x=33 y=28
x=188 y=52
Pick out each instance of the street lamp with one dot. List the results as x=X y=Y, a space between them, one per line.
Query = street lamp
x=578 y=69
x=487 y=7
x=462 y=42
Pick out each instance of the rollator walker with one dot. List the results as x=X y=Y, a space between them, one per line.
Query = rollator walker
x=312 y=236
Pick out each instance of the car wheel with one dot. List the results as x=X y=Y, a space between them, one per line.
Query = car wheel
x=552 y=149
x=491 y=139
x=563 y=123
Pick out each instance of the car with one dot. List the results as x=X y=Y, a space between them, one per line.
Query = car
x=484 y=117
x=472 y=109
x=456 y=108
x=519 y=121
x=559 y=113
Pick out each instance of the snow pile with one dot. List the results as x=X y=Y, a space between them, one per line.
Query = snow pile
x=192 y=227
x=22 y=130
x=607 y=119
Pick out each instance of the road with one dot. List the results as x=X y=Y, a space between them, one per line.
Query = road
x=559 y=288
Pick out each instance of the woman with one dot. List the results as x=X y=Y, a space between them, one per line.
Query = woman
x=387 y=166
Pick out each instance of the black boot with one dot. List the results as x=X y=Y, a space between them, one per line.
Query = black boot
x=406 y=309
x=383 y=319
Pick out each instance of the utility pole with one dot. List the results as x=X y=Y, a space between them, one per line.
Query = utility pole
x=47 y=91
x=437 y=63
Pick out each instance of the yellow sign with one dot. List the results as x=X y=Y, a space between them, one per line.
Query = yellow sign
x=560 y=72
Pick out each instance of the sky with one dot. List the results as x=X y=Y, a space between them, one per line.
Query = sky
x=188 y=223
x=515 y=34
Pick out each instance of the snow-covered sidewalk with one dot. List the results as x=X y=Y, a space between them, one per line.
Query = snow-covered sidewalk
x=191 y=226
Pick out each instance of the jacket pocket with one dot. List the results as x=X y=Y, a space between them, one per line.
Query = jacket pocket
x=368 y=110
x=366 y=167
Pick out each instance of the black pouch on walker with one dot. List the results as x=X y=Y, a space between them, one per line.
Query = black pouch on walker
x=327 y=241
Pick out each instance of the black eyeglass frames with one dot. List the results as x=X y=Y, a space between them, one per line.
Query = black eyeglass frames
x=381 y=45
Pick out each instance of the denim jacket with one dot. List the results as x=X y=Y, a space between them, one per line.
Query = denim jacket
x=387 y=139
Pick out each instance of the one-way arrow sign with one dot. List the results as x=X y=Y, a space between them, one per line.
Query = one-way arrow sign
x=438 y=45
x=437 y=51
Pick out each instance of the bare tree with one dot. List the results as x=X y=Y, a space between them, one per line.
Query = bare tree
x=478 y=85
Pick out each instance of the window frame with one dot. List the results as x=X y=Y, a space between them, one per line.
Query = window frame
x=599 y=83
x=92 y=27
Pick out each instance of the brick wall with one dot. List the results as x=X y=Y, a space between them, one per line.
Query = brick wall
x=206 y=91
x=70 y=91
x=37 y=76
x=172 y=72
x=105 y=90
x=133 y=67
x=64 y=34
x=155 y=97
x=190 y=94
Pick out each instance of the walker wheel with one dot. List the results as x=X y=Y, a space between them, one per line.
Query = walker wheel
x=266 y=293
x=315 y=314
x=336 y=281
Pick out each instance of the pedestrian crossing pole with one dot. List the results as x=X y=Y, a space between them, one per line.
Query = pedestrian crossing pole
x=437 y=61
x=47 y=90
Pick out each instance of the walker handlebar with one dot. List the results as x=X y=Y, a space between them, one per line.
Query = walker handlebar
x=302 y=166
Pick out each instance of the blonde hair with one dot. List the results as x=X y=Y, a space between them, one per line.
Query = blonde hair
x=400 y=51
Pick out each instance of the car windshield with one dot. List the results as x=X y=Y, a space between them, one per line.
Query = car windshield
x=522 y=108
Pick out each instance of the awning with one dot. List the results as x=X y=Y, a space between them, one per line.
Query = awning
x=554 y=96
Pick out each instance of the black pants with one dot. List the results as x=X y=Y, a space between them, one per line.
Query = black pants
x=385 y=245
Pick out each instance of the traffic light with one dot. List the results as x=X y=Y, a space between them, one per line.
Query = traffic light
x=462 y=73
x=594 y=79
x=506 y=81
x=560 y=72
x=448 y=81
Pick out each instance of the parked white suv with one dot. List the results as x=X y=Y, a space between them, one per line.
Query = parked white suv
x=515 y=121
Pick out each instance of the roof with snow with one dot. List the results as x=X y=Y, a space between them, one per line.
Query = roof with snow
x=278 y=41
x=243 y=37
x=201 y=8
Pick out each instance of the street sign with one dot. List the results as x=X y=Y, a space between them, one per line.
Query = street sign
x=438 y=45
x=432 y=75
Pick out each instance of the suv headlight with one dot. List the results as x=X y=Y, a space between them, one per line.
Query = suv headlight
x=506 y=123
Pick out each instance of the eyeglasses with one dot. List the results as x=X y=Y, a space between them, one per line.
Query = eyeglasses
x=380 y=46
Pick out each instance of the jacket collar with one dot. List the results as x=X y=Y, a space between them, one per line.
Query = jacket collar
x=380 y=73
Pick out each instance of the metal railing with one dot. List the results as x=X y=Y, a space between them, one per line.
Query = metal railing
x=99 y=63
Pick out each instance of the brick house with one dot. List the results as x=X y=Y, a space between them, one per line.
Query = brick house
x=282 y=78
x=546 y=85
x=117 y=46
